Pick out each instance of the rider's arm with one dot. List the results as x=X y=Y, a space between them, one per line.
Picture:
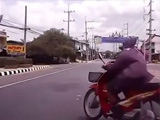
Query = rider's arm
x=122 y=61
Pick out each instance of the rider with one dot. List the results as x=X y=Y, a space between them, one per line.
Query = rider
x=128 y=70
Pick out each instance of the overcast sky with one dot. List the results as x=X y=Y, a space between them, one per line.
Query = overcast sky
x=108 y=15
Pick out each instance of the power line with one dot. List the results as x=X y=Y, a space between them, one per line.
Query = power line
x=37 y=30
x=139 y=26
x=10 y=26
x=140 y=30
x=15 y=27
x=7 y=22
x=12 y=23
x=19 y=28
x=34 y=32
x=13 y=32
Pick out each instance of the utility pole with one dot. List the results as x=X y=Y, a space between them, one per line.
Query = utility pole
x=144 y=43
x=150 y=30
x=86 y=34
x=25 y=31
x=94 y=41
x=122 y=32
x=91 y=28
x=95 y=46
x=1 y=16
x=126 y=28
x=92 y=52
x=97 y=39
x=144 y=47
x=69 y=20
x=86 y=37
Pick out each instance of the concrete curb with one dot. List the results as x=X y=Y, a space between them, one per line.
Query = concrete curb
x=23 y=70
x=86 y=61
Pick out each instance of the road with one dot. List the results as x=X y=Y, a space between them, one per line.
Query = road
x=51 y=94
x=155 y=70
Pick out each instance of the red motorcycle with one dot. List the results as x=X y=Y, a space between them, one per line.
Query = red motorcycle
x=131 y=107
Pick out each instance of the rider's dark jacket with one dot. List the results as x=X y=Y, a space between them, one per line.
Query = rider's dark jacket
x=130 y=65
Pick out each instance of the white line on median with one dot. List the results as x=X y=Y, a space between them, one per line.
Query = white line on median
x=15 y=83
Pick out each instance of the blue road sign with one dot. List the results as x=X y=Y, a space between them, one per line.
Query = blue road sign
x=113 y=39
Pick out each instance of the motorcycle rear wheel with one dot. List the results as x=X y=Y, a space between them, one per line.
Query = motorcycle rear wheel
x=86 y=107
x=149 y=113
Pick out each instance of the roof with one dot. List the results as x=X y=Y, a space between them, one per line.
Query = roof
x=15 y=42
x=79 y=41
x=3 y=34
x=155 y=53
x=156 y=40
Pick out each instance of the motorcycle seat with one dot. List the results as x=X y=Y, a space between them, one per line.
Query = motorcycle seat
x=148 y=87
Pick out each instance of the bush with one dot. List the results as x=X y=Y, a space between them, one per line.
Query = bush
x=11 y=61
x=154 y=61
x=51 y=43
x=73 y=58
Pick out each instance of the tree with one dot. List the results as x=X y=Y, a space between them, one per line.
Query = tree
x=51 y=43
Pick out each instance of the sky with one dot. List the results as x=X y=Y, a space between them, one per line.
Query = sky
x=109 y=16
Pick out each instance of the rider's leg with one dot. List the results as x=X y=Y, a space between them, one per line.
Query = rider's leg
x=113 y=97
x=113 y=91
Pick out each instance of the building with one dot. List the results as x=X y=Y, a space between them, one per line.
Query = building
x=3 y=40
x=155 y=46
x=80 y=47
x=11 y=47
x=156 y=55
x=13 y=42
x=3 y=43
x=156 y=41
x=15 y=48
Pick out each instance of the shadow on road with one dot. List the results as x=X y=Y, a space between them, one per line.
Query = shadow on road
x=64 y=87
x=85 y=118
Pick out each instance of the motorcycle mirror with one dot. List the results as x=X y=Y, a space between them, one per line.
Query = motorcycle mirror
x=100 y=57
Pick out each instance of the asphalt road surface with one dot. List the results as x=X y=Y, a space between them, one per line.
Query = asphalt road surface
x=52 y=94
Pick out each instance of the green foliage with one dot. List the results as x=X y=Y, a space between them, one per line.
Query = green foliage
x=51 y=43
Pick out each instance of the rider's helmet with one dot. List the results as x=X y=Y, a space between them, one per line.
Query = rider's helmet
x=130 y=42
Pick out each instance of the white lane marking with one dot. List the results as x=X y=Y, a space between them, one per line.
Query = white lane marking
x=15 y=83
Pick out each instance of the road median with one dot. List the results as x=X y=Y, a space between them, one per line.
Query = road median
x=13 y=70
